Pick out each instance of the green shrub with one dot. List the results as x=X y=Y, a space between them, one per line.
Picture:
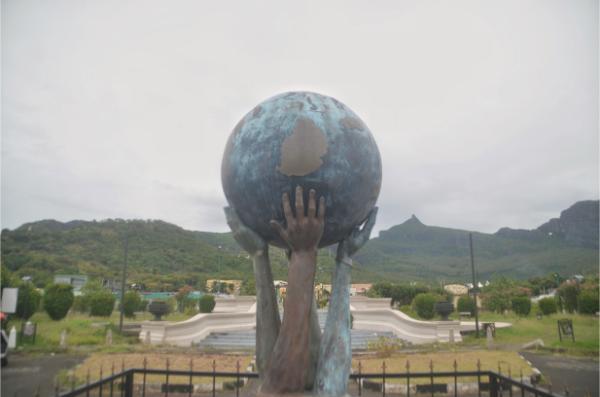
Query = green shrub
x=547 y=306
x=28 y=301
x=423 y=304
x=80 y=304
x=101 y=302
x=58 y=299
x=466 y=304
x=248 y=287
x=497 y=301
x=143 y=306
x=131 y=302
x=521 y=305
x=588 y=302
x=207 y=303
x=568 y=294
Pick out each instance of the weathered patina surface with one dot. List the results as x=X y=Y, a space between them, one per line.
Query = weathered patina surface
x=301 y=139
x=267 y=310
x=335 y=355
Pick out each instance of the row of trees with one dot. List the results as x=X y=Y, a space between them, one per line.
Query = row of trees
x=499 y=296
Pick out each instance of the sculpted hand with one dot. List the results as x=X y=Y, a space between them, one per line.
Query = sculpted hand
x=357 y=238
x=246 y=238
x=303 y=232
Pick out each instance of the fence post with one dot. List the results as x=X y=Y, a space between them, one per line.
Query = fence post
x=510 y=386
x=122 y=371
x=493 y=385
x=478 y=378
x=101 y=383
x=359 y=378
x=431 y=371
x=521 y=386
x=129 y=383
x=144 y=378
x=112 y=381
x=167 y=383
x=407 y=378
x=190 y=382
x=87 y=383
x=214 y=368
x=383 y=383
x=237 y=379
x=455 y=384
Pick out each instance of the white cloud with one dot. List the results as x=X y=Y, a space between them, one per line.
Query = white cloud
x=486 y=114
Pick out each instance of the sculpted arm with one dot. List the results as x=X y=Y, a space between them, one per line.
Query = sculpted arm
x=287 y=369
x=267 y=311
x=335 y=356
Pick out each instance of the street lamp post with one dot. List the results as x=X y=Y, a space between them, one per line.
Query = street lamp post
x=123 y=283
x=475 y=287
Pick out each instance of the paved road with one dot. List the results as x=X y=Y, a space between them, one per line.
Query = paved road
x=24 y=374
x=580 y=375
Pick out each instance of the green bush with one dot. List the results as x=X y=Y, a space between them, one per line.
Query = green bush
x=521 y=305
x=80 y=304
x=58 y=299
x=423 y=304
x=547 y=306
x=496 y=301
x=207 y=303
x=588 y=302
x=131 y=302
x=28 y=301
x=101 y=302
x=248 y=287
x=466 y=304
x=568 y=294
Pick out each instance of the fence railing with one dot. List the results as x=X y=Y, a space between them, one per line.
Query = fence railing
x=133 y=382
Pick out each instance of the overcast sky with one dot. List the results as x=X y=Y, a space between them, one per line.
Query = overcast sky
x=485 y=112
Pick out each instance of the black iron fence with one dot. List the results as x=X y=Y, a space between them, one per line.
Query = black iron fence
x=134 y=382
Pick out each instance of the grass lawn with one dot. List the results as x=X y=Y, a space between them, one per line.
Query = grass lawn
x=526 y=329
x=177 y=361
x=444 y=361
x=83 y=330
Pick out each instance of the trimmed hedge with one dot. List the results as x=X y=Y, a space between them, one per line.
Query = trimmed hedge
x=207 y=303
x=101 y=303
x=521 y=305
x=58 y=299
x=131 y=302
x=28 y=301
x=466 y=304
x=547 y=306
x=568 y=293
x=424 y=305
x=588 y=302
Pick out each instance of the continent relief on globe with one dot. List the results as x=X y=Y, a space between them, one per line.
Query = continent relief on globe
x=303 y=139
x=301 y=152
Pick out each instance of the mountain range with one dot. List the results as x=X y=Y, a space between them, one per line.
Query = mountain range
x=165 y=256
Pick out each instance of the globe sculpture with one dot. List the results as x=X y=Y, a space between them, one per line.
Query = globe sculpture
x=305 y=139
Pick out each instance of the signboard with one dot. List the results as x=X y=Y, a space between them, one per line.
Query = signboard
x=9 y=300
x=565 y=328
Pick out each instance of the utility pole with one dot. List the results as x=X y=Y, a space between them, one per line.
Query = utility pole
x=475 y=287
x=123 y=282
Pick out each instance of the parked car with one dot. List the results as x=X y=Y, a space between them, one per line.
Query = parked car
x=4 y=337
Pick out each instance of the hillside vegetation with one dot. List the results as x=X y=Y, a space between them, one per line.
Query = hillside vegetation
x=164 y=256
x=566 y=245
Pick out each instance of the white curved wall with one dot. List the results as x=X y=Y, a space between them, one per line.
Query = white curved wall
x=405 y=327
x=239 y=314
